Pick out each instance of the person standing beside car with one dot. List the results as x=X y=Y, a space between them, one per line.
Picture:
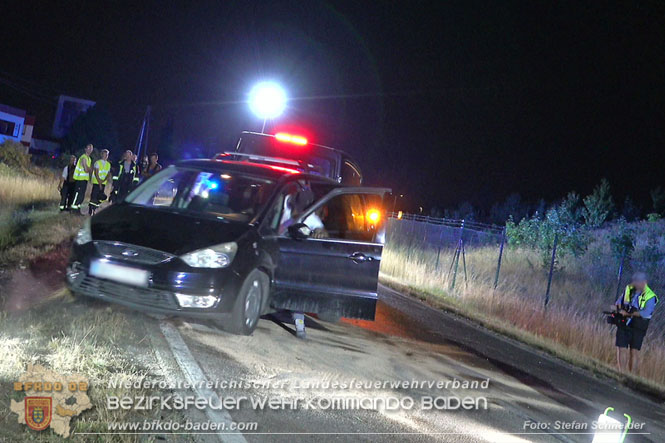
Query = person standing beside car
x=144 y=164
x=152 y=167
x=67 y=185
x=100 y=178
x=636 y=305
x=82 y=177
x=126 y=177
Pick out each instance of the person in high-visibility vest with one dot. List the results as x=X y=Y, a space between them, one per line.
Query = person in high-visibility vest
x=126 y=177
x=636 y=305
x=101 y=172
x=81 y=178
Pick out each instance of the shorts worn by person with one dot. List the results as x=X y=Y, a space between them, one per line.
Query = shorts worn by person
x=637 y=305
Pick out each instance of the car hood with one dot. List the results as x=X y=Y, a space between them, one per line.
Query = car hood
x=162 y=230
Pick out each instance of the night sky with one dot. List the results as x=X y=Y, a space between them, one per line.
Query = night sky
x=444 y=101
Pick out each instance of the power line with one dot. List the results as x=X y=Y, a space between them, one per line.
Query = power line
x=35 y=95
x=42 y=90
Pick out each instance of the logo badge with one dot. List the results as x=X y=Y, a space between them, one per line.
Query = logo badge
x=38 y=412
x=130 y=253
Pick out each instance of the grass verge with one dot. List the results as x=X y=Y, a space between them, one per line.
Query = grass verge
x=75 y=337
x=443 y=300
x=26 y=189
x=26 y=233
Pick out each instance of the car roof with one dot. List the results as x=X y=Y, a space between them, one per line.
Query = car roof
x=322 y=148
x=268 y=171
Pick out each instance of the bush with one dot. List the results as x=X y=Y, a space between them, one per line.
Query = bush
x=13 y=155
x=622 y=240
x=653 y=217
x=563 y=220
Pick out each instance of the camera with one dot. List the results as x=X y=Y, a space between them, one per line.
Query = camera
x=615 y=318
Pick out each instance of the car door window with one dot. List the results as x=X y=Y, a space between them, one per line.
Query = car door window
x=353 y=217
x=293 y=199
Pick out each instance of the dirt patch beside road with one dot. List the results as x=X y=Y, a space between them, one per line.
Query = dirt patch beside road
x=43 y=277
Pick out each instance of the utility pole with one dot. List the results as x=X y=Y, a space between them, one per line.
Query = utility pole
x=142 y=141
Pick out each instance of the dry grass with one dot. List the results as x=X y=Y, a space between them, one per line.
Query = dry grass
x=29 y=221
x=93 y=340
x=26 y=234
x=27 y=189
x=65 y=337
x=572 y=327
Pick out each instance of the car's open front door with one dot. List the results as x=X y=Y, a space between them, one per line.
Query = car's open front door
x=334 y=271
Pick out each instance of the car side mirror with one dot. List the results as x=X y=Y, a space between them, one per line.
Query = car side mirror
x=300 y=231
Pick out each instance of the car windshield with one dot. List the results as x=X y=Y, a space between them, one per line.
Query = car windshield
x=223 y=194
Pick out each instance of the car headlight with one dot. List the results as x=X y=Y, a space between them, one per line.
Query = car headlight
x=219 y=256
x=85 y=234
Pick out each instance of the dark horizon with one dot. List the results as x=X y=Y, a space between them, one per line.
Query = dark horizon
x=446 y=102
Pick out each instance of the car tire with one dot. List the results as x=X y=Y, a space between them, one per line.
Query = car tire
x=249 y=303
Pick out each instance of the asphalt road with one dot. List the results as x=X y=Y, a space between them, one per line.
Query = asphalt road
x=530 y=396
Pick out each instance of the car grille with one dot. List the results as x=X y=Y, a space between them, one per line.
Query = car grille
x=106 y=289
x=131 y=253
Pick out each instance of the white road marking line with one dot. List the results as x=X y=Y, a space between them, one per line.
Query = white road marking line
x=196 y=378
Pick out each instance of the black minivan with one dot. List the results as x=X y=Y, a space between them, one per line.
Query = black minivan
x=231 y=240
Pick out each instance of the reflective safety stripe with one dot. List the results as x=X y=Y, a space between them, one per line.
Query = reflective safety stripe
x=104 y=167
x=79 y=172
x=121 y=170
x=74 y=205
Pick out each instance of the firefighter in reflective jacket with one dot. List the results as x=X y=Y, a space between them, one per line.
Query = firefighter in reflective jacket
x=126 y=177
x=100 y=178
x=81 y=178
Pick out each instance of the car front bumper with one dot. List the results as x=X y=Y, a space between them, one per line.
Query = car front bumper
x=159 y=296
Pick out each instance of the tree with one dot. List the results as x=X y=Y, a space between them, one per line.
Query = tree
x=511 y=207
x=464 y=211
x=658 y=200
x=599 y=205
x=570 y=210
x=630 y=211
x=622 y=240
x=95 y=126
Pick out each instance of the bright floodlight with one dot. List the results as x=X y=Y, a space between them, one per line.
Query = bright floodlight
x=267 y=100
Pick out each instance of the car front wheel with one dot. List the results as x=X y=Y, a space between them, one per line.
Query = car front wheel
x=247 y=308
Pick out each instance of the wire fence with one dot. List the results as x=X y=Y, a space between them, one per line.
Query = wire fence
x=447 y=253
x=445 y=245
x=445 y=241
